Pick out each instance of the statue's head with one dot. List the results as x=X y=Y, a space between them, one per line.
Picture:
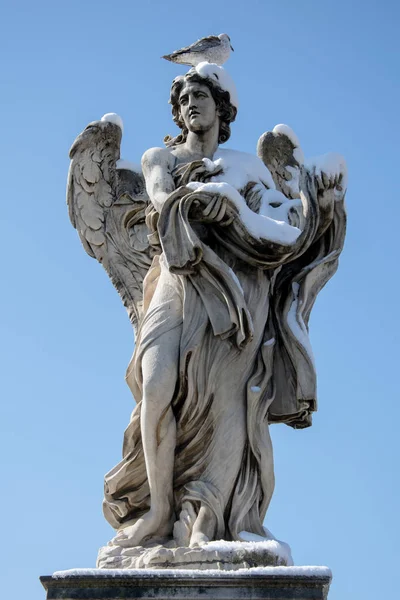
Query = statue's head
x=199 y=103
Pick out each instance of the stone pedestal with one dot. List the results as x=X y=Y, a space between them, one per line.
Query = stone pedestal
x=268 y=583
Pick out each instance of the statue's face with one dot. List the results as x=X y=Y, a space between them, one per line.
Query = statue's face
x=198 y=108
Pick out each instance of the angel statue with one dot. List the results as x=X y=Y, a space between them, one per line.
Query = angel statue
x=218 y=256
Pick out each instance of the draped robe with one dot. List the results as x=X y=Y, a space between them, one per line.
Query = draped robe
x=242 y=304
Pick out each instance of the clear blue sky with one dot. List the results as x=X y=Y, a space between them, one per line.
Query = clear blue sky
x=330 y=70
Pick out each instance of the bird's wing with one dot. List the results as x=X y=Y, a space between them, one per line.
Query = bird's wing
x=199 y=46
x=107 y=207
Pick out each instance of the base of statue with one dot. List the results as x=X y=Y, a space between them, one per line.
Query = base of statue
x=266 y=583
x=221 y=555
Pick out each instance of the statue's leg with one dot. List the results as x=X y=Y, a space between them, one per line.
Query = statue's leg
x=204 y=527
x=159 y=366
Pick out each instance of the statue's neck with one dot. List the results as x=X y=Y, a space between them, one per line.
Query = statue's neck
x=202 y=145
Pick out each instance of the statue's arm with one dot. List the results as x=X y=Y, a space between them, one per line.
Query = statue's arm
x=230 y=207
x=157 y=164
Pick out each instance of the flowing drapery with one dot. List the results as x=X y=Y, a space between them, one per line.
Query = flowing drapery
x=243 y=305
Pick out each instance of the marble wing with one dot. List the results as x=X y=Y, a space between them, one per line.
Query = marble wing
x=280 y=151
x=107 y=201
x=322 y=181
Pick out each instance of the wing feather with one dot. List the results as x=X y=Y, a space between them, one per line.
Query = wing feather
x=280 y=151
x=107 y=208
x=199 y=46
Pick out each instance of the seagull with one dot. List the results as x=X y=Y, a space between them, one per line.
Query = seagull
x=212 y=49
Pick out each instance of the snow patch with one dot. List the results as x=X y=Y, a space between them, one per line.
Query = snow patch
x=221 y=77
x=269 y=343
x=282 y=129
x=288 y=131
x=209 y=165
x=306 y=571
x=240 y=167
x=282 y=205
x=298 y=155
x=254 y=388
x=113 y=118
x=294 y=183
x=269 y=542
x=259 y=226
x=332 y=164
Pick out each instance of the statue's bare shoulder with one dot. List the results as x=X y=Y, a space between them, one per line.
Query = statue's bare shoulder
x=157 y=167
x=157 y=157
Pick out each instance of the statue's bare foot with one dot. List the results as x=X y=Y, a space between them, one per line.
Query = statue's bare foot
x=204 y=527
x=151 y=524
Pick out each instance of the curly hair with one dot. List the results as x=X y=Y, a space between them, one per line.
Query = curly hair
x=227 y=112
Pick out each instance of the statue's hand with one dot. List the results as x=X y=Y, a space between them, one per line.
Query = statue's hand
x=210 y=207
x=329 y=175
x=329 y=187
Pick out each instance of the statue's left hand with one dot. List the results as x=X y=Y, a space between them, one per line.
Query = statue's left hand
x=329 y=174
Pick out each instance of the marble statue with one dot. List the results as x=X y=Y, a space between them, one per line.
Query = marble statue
x=218 y=256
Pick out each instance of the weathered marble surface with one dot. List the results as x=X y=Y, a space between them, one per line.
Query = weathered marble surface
x=218 y=257
x=225 y=556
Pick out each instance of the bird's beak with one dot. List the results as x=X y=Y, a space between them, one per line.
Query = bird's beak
x=232 y=49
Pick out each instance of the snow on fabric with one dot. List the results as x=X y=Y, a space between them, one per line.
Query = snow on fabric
x=332 y=164
x=259 y=226
x=276 y=206
x=306 y=571
x=240 y=167
x=220 y=76
x=113 y=118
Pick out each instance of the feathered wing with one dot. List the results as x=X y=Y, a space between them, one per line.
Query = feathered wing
x=296 y=284
x=280 y=151
x=107 y=207
x=197 y=47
